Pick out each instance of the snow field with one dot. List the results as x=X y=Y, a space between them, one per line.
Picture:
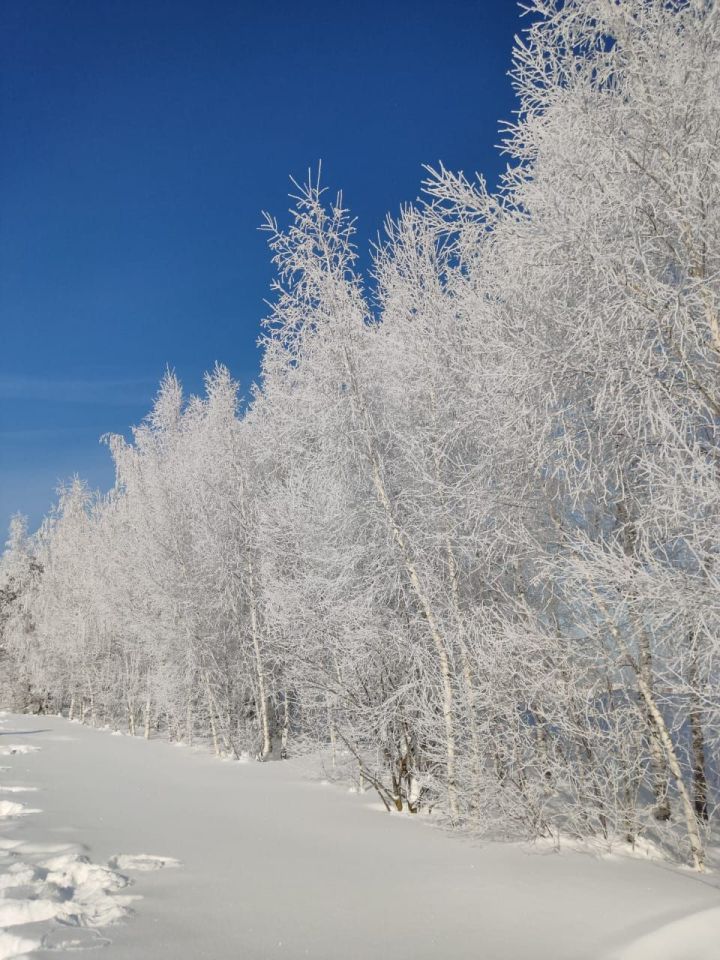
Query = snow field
x=696 y=937
x=277 y=862
x=55 y=888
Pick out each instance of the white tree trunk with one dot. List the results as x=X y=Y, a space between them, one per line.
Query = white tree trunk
x=691 y=823
x=420 y=594
x=262 y=690
x=285 y=727
x=211 y=708
x=658 y=721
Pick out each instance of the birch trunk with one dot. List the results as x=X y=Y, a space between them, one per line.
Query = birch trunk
x=285 y=727
x=696 y=846
x=424 y=601
x=262 y=691
x=255 y=633
x=469 y=689
x=656 y=718
x=211 y=708
x=331 y=729
x=147 y=719
x=700 y=787
x=658 y=766
x=697 y=740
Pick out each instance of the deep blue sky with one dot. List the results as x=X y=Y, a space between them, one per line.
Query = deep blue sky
x=140 y=141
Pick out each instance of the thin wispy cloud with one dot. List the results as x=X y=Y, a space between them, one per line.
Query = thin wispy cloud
x=45 y=433
x=111 y=392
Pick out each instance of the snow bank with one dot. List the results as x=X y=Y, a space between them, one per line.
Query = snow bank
x=696 y=937
x=13 y=948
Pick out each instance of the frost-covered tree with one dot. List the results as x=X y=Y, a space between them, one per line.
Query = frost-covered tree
x=464 y=533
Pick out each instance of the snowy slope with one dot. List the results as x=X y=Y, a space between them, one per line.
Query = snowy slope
x=273 y=864
x=694 y=937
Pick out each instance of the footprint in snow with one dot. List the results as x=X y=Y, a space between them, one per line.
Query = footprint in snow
x=141 y=862
x=77 y=938
x=12 y=946
x=9 y=808
x=22 y=848
x=69 y=890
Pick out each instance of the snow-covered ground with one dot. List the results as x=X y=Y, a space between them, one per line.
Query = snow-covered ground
x=160 y=852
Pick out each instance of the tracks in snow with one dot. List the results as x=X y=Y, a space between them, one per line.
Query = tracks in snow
x=54 y=892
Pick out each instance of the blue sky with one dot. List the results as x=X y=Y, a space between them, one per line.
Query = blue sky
x=141 y=140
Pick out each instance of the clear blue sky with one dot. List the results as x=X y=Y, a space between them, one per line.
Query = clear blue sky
x=140 y=141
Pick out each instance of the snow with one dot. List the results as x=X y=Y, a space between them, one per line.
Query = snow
x=14 y=913
x=268 y=862
x=12 y=947
x=65 y=887
x=142 y=862
x=696 y=937
x=9 y=808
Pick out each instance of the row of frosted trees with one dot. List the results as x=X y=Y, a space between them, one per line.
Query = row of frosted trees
x=466 y=531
